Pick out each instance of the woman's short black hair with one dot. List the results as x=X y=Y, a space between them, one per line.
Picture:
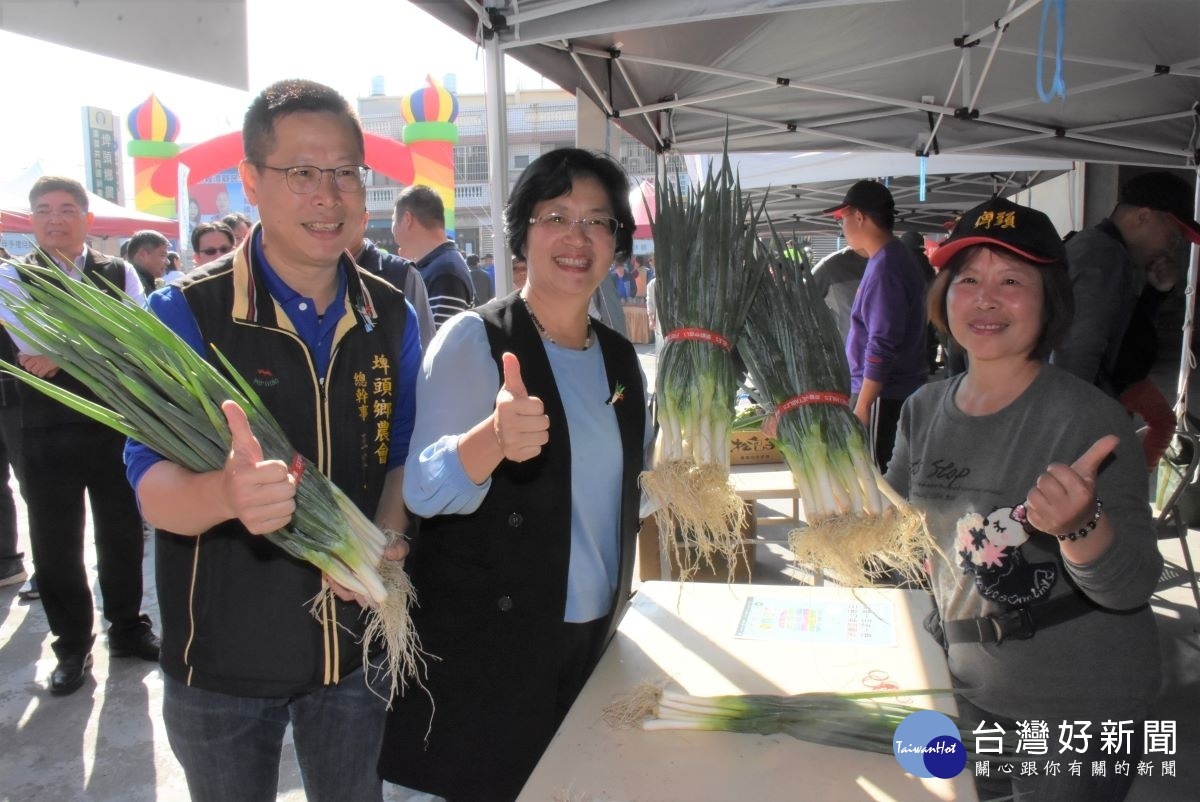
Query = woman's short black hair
x=1058 y=301
x=550 y=176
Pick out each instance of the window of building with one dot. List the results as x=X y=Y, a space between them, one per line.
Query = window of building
x=470 y=163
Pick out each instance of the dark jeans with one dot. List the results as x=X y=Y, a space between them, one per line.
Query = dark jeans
x=229 y=746
x=61 y=462
x=1062 y=787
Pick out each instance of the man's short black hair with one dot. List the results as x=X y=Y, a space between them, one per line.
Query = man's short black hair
x=58 y=183
x=472 y=260
x=145 y=239
x=234 y=218
x=288 y=97
x=550 y=176
x=203 y=228
x=423 y=204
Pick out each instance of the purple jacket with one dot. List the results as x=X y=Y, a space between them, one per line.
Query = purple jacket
x=888 y=324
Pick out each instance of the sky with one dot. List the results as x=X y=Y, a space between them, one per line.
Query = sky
x=409 y=44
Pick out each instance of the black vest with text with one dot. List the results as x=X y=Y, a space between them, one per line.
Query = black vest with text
x=235 y=607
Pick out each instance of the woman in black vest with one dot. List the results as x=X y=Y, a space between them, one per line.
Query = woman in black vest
x=530 y=435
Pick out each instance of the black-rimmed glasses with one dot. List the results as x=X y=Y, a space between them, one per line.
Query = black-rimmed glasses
x=304 y=179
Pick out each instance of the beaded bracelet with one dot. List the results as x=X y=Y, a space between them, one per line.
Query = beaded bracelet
x=1087 y=528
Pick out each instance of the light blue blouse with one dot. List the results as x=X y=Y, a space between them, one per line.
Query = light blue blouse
x=457 y=388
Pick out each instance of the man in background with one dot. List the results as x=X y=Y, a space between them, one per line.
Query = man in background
x=886 y=343
x=1109 y=263
x=402 y=274
x=419 y=226
x=147 y=252
x=66 y=455
x=239 y=224
x=210 y=241
x=836 y=278
x=484 y=289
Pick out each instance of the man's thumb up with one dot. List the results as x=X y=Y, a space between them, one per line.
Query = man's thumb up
x=243 y=446
x=512 y=376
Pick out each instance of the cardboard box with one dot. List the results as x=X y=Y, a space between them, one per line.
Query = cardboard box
x=752 y=448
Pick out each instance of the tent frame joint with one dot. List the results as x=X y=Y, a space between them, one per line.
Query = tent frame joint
x=498 y=23
x=963 y=113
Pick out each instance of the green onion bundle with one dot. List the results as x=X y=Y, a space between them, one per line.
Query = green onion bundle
x=162 y=393
x=857 y=526
x=709 y=266
x=863 y=721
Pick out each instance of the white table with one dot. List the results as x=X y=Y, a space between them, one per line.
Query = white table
x=689 y=638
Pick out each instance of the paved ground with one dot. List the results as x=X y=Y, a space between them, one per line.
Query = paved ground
x=107 y=743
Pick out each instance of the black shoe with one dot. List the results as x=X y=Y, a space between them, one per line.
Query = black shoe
x=70 y=673
x=145 y=644
x=12 y=572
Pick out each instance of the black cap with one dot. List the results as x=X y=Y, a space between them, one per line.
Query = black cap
x=869 y=196
x=1164 y=192
x=1024 y=231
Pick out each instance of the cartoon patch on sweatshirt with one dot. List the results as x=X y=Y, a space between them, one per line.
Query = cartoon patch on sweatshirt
x=989 y=548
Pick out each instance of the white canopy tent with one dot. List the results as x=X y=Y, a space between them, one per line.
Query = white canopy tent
x=798 y=186
x=930 y=77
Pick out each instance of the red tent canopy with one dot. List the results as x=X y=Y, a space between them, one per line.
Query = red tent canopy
x=641 y=203
x=111 y=220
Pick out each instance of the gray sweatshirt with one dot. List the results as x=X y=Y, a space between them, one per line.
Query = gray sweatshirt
x=966 y=473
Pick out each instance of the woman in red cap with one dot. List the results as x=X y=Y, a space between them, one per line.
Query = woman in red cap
x=1033 y=483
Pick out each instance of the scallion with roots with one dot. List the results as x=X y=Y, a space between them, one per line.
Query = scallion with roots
x=857 y=526
x=156 y=389
x=709 y=266
x=865 y=721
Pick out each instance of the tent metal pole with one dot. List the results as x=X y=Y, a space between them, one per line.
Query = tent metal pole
x=637 y=98
x=596 y=90
x=497 y=140
x=1000 y=24
x=1076 y=91
x=1157 y=118
x=674 y=104
x=1092 y=61
x=987 y=65
x=564 y=7
x=1179 y=153
x=1187 y=360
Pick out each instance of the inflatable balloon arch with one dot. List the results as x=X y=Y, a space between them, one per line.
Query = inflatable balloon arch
x=424 y=156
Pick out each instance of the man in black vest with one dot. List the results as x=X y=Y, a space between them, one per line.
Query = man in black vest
x=65 y=454
x=333 y=352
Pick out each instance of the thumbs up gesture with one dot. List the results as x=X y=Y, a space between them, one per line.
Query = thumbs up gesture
x=260 y=493
x=1064 y=497
x=520 y=421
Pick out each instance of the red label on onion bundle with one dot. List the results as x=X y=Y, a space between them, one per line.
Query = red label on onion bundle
x=701 y=335
x=813 y=397
x=296 y=469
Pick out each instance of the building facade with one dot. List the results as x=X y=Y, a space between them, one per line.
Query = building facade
x=539 y=121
